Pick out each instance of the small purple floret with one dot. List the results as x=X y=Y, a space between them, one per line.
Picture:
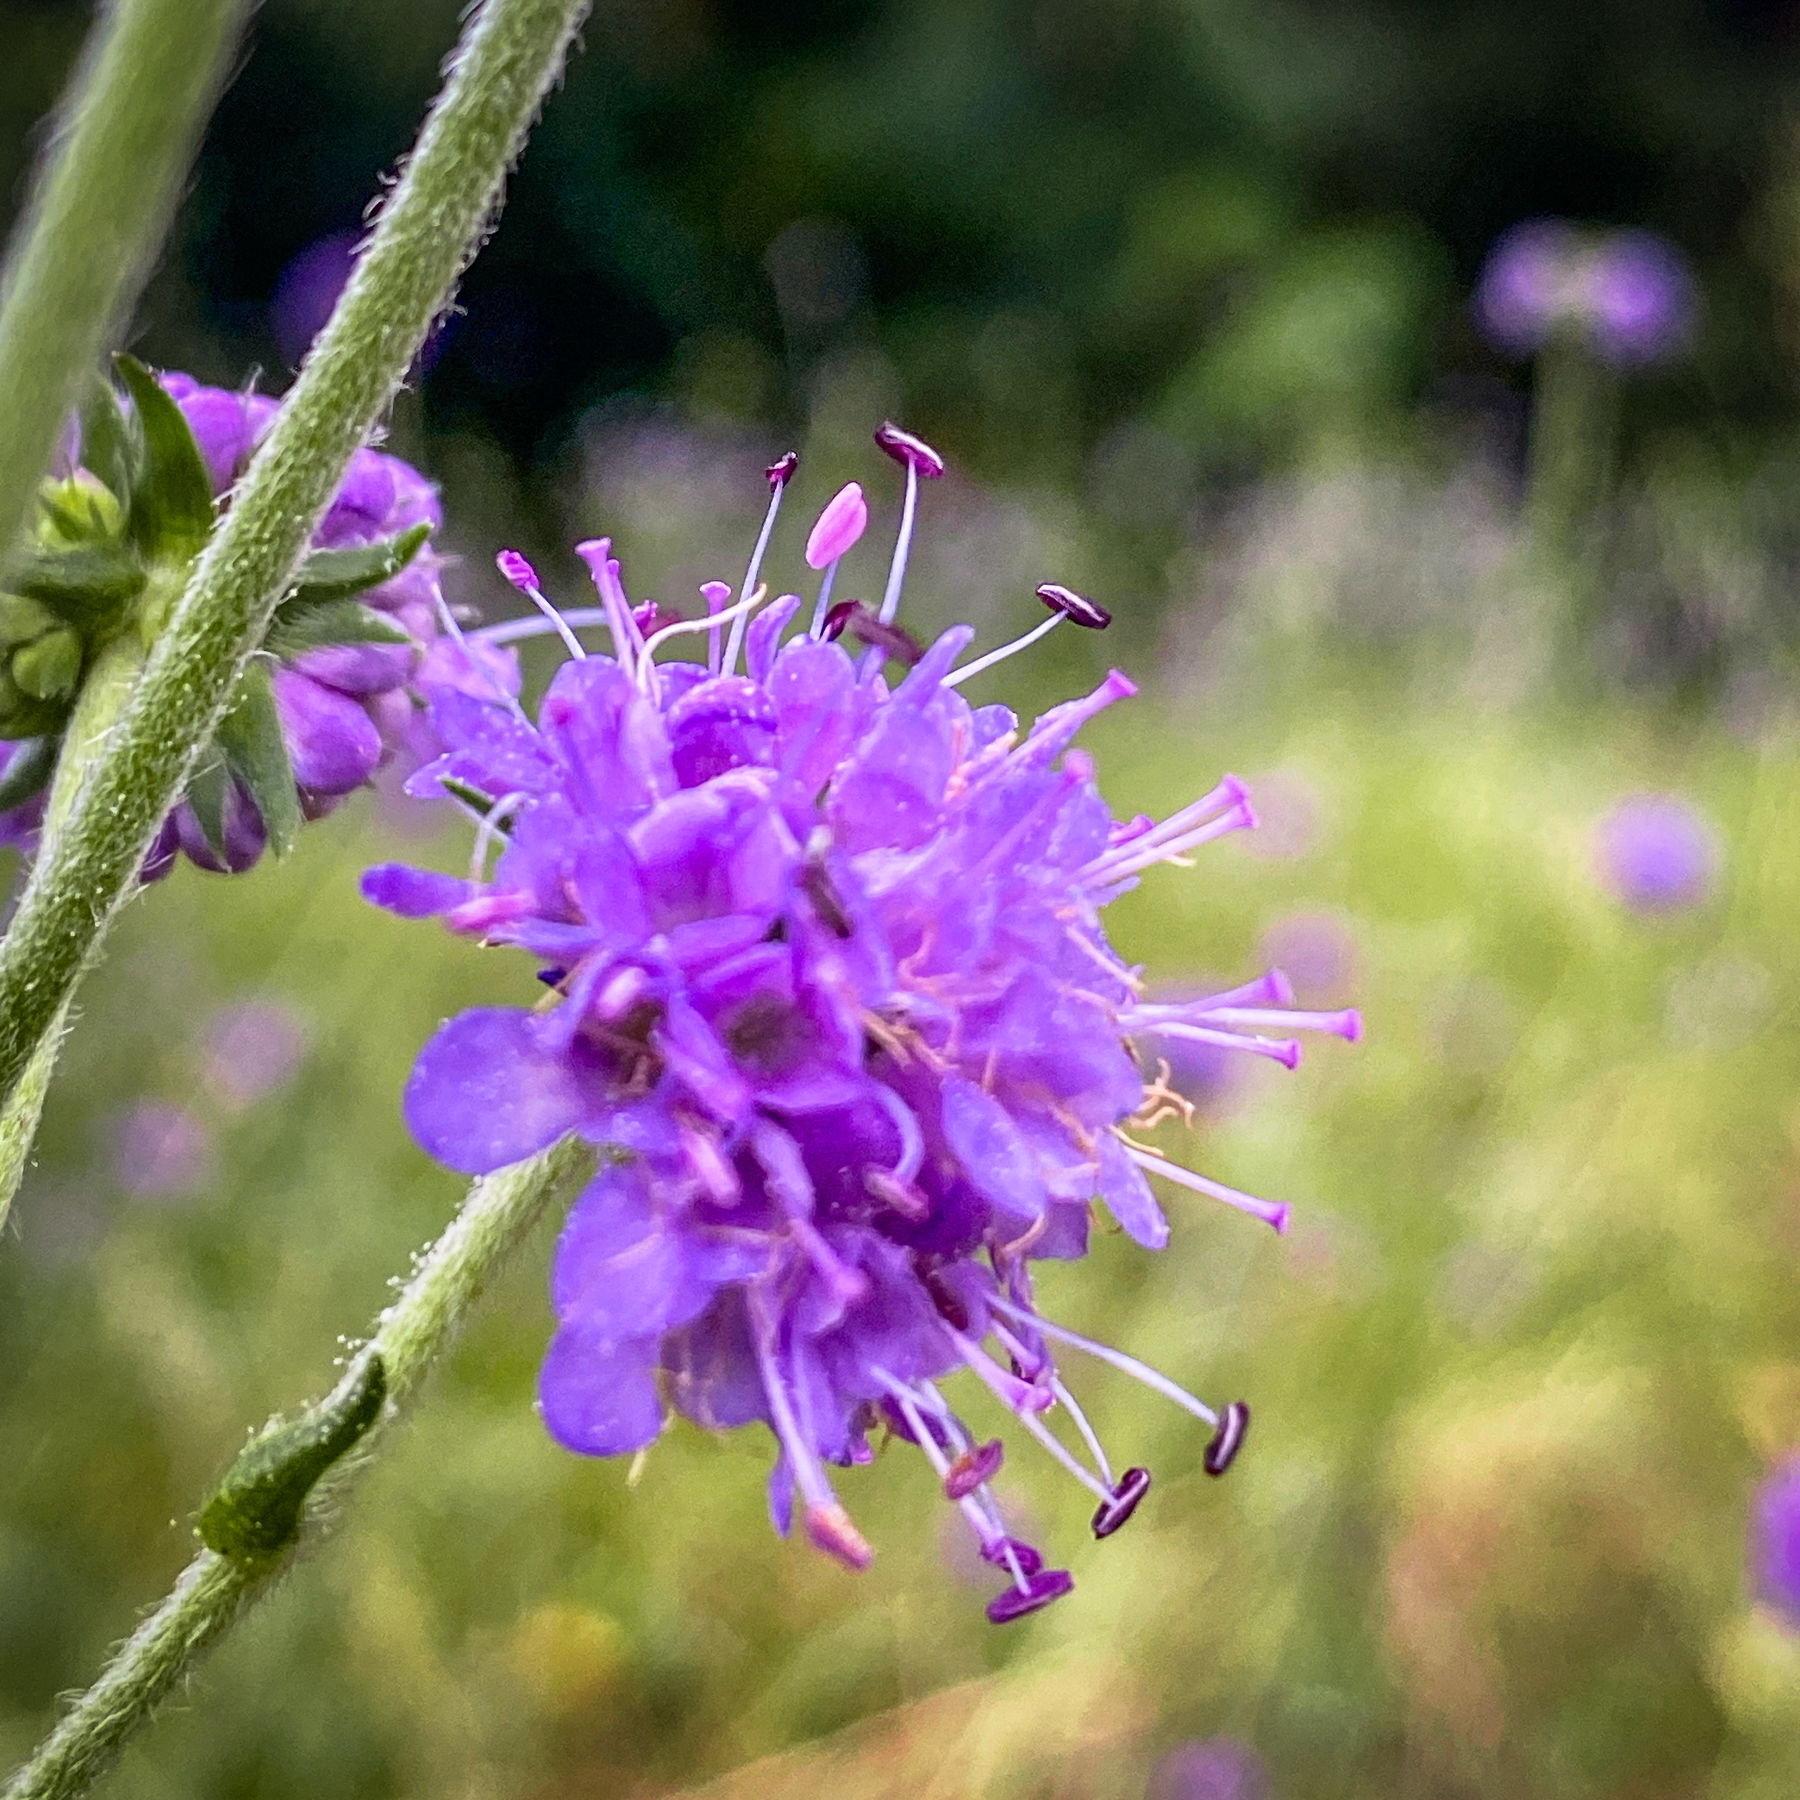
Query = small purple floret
x=1037 y=1593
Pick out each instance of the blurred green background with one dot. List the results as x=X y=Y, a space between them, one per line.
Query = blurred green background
x=1181 y=289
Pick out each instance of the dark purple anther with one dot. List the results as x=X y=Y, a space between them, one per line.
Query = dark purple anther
x=553 y=977
x=816 y=884
x=864 y=623
x=1074 y=606
x=946 y=1299
x=1037 y=1593
x=1128 y=1490
x=781 y=471
x=516 y=570
x=1026 y=1555
x=1228 y=1440
x=913 y=452
x=973 y=1469
x=651 y=617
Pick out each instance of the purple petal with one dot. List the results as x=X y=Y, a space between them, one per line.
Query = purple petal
x=331 y=740
x=600 y=1399
x=993 y=1153
x=1128 y=1196
x=484 y=1093
x=413 y=893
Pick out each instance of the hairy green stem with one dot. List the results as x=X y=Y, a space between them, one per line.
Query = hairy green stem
x=212 y=1593
x=431 y=225
x=102 y=206
x=103 y=698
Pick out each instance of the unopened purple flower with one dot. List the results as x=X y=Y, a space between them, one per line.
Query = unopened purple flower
x=1657 y=853
x=1775 y=1541
x=1629 y=294
x=161 y=1152
x=345 y=709
x=827 y=975
x=307 y=291
x=1209 y=1769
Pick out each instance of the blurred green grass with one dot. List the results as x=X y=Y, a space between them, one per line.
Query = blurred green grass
x=1514 y=1370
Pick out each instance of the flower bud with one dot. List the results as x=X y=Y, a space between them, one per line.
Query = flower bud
x=845 y=518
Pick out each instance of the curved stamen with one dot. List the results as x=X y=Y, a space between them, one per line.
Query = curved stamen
x=742 y=610
x=890 y=595
x=982 y=663
x=1127 y=1495
x=1271 y=1212
x=1151 y=1378
x=1221 y=1453
x=1089 y=1435
x=779 y=473
x=523 y=576
x=510 y=701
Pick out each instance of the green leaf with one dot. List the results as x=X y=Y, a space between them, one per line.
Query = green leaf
x=250 y=736
x=343 y=574
x=172 y=504
x=470 y=795
x=29 y=772
x=112 y=447
x=206 y=791
x=332 y=622
x=258 y=1508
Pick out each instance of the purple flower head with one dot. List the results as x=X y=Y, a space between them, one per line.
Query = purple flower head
x=827 y=976
x=253 y=1048
x=1657 y=854
x=1629 y=294
x=1775 y=1541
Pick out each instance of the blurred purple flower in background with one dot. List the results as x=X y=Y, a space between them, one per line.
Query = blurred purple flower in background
x=1317 y=951
x=160 y=1151
x=1209 y=1769
x=306 y=291
x=252 y=1048
x=1657 y=853
x=1775 y=1541
x=828 y=978
x=1628 y=294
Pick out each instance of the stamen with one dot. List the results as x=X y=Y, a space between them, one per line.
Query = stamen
x=511 y=701
x=492 y=826
x=1089 y=1436
x=1230 y=792
x=1153 y=847
x=1285 y=1051
x=1151 y=1378
x=1271 y=1212
x=524 y=577
x=920 y=460
x=1221 y=1453
x=1040 y=1589
x=742 y=610
x=974 y=1468
x=1346 y=1024
x=715 y=593
x=892 y=640
x=779 y=474
x=1064 y=603
x=1132 y=1486
x=603 y=566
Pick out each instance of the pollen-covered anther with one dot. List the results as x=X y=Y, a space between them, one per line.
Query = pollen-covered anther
x=832 y=1530
x=909 y=451
x=1228 y=1440
x=1077 y=608
x=1127 y=1492
x=1037 y=1593
x=974 y=1469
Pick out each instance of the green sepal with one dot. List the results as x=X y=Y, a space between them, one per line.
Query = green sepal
x=83 y=583
x=112 y=447
x=470 y=795
x=50 y=667
x=343 y=574
x=257 y=1509
x=206 y=791
x=29 y=772
x=22 y=619
x=332 y=622
x=171 y=502
x=250 y=736
x=22 y=716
